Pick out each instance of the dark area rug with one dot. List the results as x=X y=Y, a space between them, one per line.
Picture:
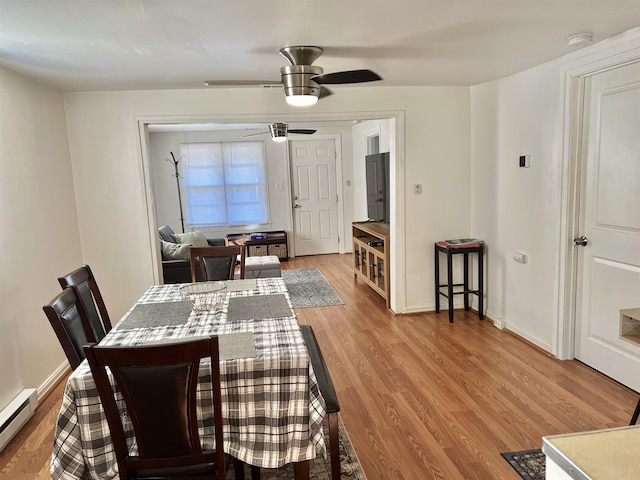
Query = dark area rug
x=308 y=288
x=530 y=464
x=350 y=467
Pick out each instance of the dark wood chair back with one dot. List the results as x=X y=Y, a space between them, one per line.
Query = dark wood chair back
x=158 y=385
x=83 y=281
x=216 y=263
x=70 y=323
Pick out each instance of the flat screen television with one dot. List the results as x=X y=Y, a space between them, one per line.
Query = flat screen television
x=377 y=178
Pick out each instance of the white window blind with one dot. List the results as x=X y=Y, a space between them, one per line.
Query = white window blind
x=225 y=183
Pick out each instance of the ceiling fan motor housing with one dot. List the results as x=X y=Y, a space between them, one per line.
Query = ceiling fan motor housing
x=297 y=80
x=301 y=54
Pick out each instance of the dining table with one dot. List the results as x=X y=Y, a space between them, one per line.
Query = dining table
x=271 y=405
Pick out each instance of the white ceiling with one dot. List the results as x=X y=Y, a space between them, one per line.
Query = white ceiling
x=81 y=45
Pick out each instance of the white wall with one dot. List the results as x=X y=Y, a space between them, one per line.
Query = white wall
x=109 y=177
x=518 y=209
x=525 y=209
x=39 y=228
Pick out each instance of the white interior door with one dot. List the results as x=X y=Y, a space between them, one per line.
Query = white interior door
x=315 y=196
x=609 y=279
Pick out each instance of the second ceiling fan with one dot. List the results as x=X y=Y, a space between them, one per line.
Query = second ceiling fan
x=303 y=82
x=279 y=132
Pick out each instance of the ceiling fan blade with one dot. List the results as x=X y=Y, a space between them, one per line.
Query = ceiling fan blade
x=255 y=134
x=303 y=131
x=324 y=92
x=243 y=83
x=349 y=76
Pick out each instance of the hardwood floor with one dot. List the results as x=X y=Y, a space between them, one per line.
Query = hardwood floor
x=421 y=398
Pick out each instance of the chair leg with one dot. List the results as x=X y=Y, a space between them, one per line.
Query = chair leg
x=238 y=469
x=634 y=418
x=334 y=446
x=436 y=263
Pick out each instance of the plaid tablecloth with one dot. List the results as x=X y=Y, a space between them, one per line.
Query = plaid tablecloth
x=272 y=408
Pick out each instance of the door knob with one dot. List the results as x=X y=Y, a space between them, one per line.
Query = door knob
x=581 y=241
x=297 y=206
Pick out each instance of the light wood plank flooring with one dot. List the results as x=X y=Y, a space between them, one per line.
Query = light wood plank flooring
x=421 y=398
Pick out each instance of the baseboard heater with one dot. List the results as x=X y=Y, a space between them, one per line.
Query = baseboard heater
x=16 y=414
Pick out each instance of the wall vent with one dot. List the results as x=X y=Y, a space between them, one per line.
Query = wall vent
x=16 y=414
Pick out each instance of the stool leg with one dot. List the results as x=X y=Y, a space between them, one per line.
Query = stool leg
x=634 y=417
x=450 y=283
x=436 y=268
x=481 y=282
x=466 y=281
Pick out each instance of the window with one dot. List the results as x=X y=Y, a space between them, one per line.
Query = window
x=225 y=183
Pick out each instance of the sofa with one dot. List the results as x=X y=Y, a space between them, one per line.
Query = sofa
x=176 y=245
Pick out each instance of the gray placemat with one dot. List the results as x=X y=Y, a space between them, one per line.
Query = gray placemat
x=231 y=346
x=162 y=314
x=239 y=285
x=236 y=345
x=258 y=306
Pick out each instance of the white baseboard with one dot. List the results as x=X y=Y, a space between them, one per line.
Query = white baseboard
x=52 y=380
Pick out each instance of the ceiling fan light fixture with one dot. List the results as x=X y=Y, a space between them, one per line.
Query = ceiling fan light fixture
x=301 y=100
x=299 y=89
x=278 y=132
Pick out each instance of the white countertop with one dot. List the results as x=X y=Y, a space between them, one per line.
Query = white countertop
x=611 y=454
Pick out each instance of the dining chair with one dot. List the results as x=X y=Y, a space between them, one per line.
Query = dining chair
x=70 y=324
x=83 y=281
x=216 y=263
x=158 y=384
x=325 y=384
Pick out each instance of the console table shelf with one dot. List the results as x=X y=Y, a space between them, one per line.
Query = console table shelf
x=274 y=244
x=371 y=256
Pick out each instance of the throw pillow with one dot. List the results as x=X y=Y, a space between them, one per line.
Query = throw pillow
x=175 y=251
x=197 y=239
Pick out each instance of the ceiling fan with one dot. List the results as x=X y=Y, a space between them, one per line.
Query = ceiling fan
x=303 y=82
x=279 y=132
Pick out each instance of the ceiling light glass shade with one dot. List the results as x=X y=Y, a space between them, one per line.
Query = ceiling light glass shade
x=301 y=100
x=279 y=139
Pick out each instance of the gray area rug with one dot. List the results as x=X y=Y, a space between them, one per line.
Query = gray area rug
x=308 y=288
x=320 y=468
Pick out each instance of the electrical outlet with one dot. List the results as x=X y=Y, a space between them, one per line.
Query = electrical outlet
x=520 y=258
x=417 y=188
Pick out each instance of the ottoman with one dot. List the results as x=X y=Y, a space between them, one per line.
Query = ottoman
x=265 y=266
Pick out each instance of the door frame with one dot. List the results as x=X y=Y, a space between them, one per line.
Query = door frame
x=606 y=55
x=397 y=272
x=337 y=143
